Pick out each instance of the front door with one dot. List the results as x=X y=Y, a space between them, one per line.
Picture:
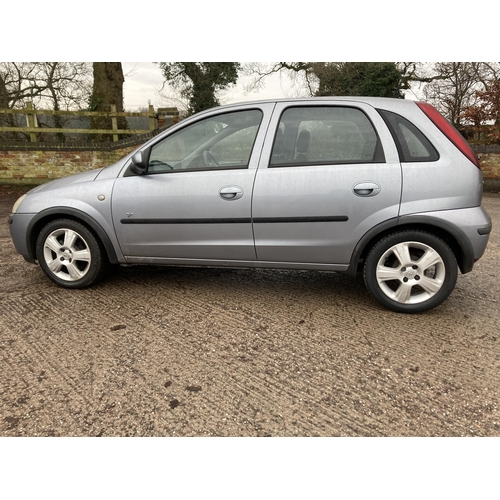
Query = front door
x=194 y=202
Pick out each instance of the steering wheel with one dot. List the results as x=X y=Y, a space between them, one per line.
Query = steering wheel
x=209 y=159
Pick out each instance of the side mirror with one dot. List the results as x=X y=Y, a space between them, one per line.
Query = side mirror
x=140 y=161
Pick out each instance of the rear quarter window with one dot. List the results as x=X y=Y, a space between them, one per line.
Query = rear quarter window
x=412 y=144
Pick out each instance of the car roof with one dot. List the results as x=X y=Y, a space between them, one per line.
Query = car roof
x=376 y=102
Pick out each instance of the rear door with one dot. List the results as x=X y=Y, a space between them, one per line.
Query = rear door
x=194 y=202
x=328 y=173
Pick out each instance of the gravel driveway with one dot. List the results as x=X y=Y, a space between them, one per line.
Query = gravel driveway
x=204 y=352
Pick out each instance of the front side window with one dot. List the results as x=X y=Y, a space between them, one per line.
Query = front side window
x=217 y=142
x=325 y=135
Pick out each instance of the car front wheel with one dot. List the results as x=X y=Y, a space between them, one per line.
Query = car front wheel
x=69 y=254
x=410 y=271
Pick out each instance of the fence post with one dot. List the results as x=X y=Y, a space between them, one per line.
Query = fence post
x=114 y=121
x=152 y=124
x=31 y=120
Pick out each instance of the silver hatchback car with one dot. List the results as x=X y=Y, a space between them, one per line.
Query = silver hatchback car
x=386 y=187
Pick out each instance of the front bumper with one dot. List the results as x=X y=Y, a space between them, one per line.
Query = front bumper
x=18 y=226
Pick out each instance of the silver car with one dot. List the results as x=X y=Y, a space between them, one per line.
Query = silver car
x=386 y=187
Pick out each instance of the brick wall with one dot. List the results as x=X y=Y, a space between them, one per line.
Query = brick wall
x=35 y=163
x=489 y=158
x=490 y=165
x=34 y=167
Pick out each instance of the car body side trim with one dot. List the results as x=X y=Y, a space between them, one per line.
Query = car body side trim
x=235 y=220
x=240 y=220
x=280 y=220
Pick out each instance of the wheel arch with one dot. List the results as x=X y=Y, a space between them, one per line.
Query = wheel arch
x=46 y=216
x=453 y=236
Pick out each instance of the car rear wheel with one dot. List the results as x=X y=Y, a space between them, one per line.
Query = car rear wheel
x=69 y=254
x=410 y=271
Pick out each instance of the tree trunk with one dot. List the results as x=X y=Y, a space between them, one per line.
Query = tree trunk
x=4 y=96
x=5 y=120
x=107 y=90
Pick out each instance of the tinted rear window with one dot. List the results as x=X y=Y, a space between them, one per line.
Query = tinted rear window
x=319 y=135
x=412 y=144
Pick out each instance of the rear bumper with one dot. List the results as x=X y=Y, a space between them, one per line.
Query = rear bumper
x=470 y=227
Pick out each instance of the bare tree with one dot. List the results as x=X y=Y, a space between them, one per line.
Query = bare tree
x=455 y=86
x=48 y=85
x=451 y=86
x=338 y=78
x=301 y=75
x=54 y=85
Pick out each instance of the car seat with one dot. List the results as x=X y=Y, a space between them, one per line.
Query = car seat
x=302 y=148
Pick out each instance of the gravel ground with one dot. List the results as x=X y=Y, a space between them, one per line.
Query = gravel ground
x=203 y=352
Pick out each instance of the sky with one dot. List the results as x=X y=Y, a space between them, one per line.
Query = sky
x=266 y=31
x=143 y=81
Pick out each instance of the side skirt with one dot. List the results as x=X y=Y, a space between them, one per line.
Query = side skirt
x=238 y=264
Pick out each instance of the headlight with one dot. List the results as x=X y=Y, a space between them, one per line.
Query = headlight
x=17 y=203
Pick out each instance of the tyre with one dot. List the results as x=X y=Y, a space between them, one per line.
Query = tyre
x=410 y=271
x=69 y=254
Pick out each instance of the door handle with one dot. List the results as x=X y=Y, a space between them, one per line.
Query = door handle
x=366 y=189
x=230 y=193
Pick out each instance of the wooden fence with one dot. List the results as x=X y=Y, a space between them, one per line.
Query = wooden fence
x=33 y=128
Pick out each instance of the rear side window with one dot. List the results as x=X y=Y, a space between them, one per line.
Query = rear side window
x=319 y=135
x=412 y=144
